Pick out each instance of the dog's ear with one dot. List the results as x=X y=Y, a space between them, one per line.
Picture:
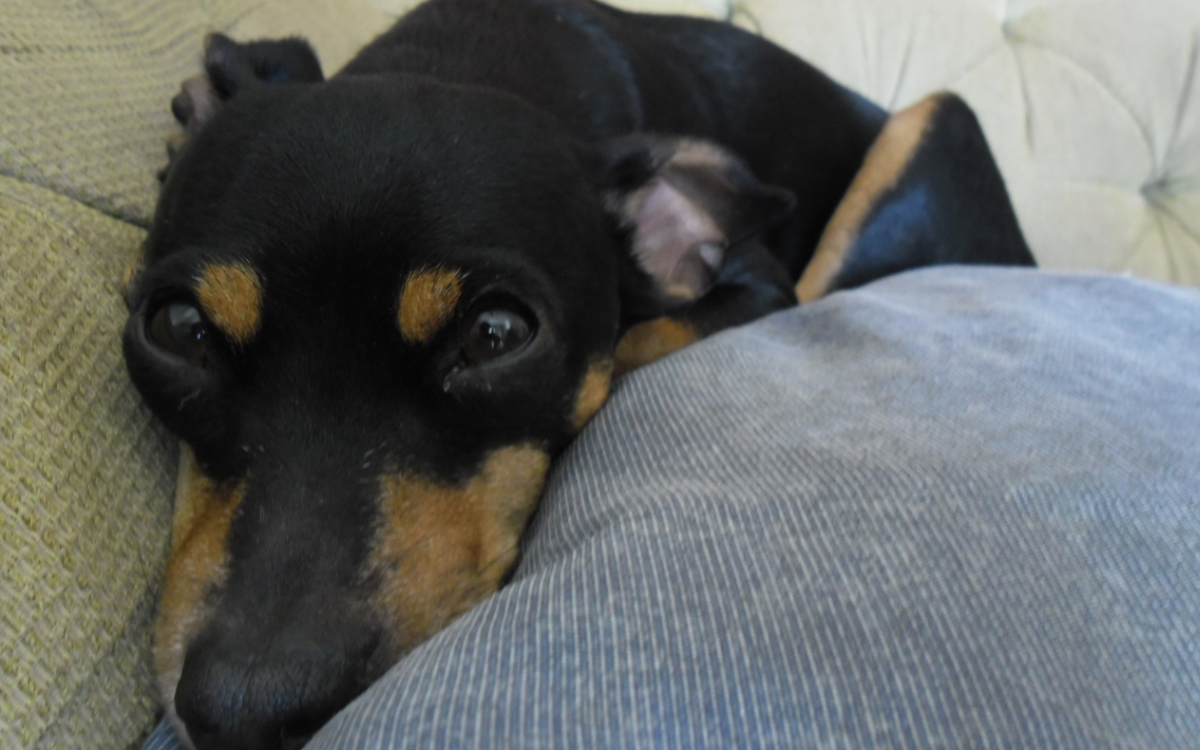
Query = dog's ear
x=928 y=192
x=680 y=204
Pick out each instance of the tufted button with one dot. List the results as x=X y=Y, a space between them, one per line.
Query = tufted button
x=1155 y=190
x=1009 y=30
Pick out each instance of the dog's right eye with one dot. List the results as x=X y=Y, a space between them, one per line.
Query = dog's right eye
x=179 y=328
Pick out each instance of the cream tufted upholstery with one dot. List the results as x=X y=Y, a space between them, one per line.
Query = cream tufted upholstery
x=1092 y=107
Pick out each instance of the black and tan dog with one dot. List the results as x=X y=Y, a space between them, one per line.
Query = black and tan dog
x=374 y=307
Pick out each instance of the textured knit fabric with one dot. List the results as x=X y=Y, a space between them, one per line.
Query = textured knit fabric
x=86 y=484
x=85 y=86
x=86 y=477
x=957 y=508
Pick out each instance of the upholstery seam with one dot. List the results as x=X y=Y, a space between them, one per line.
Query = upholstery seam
x=1106 y=88
x=1184 y=100
x=53 y=191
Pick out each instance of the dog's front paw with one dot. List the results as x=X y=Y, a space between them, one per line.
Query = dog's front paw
x=195 y=104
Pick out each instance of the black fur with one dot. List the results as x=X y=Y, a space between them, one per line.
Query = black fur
x=487 y=135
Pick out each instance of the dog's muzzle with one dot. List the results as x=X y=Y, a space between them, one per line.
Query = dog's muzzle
x=273 y=691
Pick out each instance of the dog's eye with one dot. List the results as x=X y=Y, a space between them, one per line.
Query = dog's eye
x=180 y=329
x=493 y=333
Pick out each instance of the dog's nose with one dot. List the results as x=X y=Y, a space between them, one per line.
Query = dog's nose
x=233 y=695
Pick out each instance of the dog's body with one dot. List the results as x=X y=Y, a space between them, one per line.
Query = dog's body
x=374 y=307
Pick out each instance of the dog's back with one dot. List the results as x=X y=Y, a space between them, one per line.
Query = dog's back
x=603 y=73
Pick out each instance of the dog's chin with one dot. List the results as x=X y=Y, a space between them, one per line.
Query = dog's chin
x=167 y=686
x=169 y=655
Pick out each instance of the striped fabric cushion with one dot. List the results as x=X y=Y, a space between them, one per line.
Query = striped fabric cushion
x=956 y=508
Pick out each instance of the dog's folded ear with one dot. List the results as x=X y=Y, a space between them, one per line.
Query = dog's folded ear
x=681 y=203
x=928 y=192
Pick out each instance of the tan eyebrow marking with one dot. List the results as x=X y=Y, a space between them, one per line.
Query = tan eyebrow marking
x=427 y=302
x=232 y=295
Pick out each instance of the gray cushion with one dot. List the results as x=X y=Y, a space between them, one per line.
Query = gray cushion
x=956 y=508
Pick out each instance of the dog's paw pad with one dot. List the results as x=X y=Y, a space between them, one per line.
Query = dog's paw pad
x=195 y=104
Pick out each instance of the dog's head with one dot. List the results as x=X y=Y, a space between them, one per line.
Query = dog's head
x=373 y=309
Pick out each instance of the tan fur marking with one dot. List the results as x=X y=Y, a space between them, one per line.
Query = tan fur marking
x=427 y=302
x=693 y=153
x=593 y=392
x=232 y=296
x=133 y=269
x=882 y=168
x=651 y=341
x=176 y=141
x=441 y=550
x=204 y=511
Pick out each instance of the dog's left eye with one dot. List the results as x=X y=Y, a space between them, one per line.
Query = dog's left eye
x=492 y=333
x=180 y=329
